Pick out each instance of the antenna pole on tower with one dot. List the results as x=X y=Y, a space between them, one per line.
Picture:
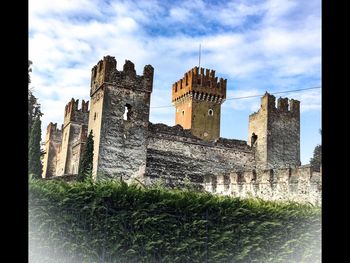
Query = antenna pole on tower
x=199 y=59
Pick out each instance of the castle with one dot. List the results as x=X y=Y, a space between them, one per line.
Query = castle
x=128 y=146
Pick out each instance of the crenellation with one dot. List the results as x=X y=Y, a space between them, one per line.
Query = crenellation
x=129 y=69
x=278 y=133
x=268 y=102
x=128 y=146
x=294 y=107
x=73 y=113
x=198 y=98
x=267 y=186
x=282 y=104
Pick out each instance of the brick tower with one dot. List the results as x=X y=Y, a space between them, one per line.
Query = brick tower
x=197 y=98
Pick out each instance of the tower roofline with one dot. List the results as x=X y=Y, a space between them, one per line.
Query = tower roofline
x=200 y=83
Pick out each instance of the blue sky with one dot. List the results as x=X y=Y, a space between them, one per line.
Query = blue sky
x=259 y=46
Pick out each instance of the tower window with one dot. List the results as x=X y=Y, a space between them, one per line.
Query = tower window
x=183 y=113
x=253 y=139
x=95 y=115
x=210 y=112
x=127 y=112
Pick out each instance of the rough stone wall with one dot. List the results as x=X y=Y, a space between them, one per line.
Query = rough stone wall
x=283 y=144
x=176 y=157
x=60 y=158
x=121 y=139
x=77 y=149
x=289 y=184
x=52 y=145
x=278 y=131
x=127 y=146
x=74 y=119
x=95 y=123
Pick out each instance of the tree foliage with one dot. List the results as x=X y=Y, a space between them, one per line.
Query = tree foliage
x=110 y=221
x=34 y=153
x=33 y=105
x=316 y=160
x=85 y=165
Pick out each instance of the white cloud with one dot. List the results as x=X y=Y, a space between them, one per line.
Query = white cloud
x=67 y=38
x=251 y=104
x=180 y=14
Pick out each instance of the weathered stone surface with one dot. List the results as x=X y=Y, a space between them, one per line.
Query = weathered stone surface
x=293 y=184
x=52 y=145
x=64 y=147
x=278 y=133
x=128 y=146
x=120 y=100
x=174 y=155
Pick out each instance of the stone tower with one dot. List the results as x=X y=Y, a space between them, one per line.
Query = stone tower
x=52 y=147
x=74 y=129
x=277 y=133
x=119 y=117
x=197 y=98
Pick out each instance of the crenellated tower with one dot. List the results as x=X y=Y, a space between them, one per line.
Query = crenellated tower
x=119 y=117
x=52 y=147
x=274 y=132
x=74 y=121
x=197 y=98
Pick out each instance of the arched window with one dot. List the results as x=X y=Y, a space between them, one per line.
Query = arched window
x=210 y=112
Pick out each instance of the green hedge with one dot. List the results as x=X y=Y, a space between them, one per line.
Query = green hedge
x=113 y=222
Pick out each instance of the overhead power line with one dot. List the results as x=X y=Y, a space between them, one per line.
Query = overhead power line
x=252 y=96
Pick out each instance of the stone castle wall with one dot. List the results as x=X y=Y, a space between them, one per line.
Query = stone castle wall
x=278 y=132
x=121 y=100
x=289 y=184
x=64 y=147
x=175 y=156
x=52 y=148
x=127 y=146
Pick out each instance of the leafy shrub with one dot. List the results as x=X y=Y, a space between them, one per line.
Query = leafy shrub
x=109 y=221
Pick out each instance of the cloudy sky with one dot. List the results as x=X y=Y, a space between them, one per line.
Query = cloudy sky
x=272 y=45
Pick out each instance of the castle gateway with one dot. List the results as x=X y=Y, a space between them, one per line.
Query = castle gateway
x=128 y=146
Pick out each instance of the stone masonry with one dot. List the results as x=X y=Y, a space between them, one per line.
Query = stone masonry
x=64 y=147
x=127 y=146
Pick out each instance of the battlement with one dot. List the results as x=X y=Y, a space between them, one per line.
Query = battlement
x=106 y=72
x=52 y=132
x=290 y=107
x=289 y=184
x=200 y=84
x=73 y=106
x=73 y=113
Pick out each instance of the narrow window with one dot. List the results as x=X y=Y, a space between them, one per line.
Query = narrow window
x=183 y=113
x=95 y=115
x=210 y=112
x=127 y=112
x=253 y=139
